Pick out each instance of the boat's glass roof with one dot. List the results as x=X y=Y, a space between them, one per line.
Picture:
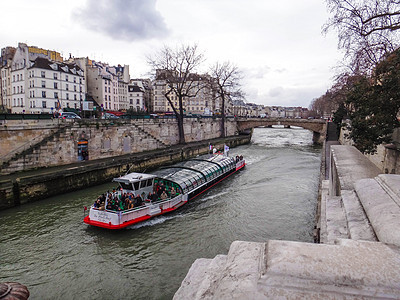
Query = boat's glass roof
x=190 y=174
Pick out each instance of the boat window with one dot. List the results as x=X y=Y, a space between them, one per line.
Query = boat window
x=149 y=182
x=125 y=186
x=136 y=185
x=143 y=184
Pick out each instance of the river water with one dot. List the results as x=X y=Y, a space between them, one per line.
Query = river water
x=46 y=246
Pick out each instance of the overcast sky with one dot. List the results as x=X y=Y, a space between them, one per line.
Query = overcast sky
x=278 y=45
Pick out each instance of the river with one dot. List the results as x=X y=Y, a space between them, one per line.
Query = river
x=46 y=246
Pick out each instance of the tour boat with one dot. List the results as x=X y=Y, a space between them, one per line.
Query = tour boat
x=144 y=192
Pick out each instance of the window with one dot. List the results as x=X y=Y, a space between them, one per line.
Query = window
x=74 y=79
x=56 y=85
x=43 y=74
x=105 y=89
x=56 y=95
x=66 y=86
x=43 y=84
x=55 y=76
x=17 y=77
x=44 y=104
x=67 y=96
x=75 y=97
x=43 y=94
x=66 y=77
x=80 y=80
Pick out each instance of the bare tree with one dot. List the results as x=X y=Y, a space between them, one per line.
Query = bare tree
x=367 y=30
x=225 y=81
x=177 y=67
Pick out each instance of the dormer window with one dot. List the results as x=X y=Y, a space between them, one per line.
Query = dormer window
x=53 y=66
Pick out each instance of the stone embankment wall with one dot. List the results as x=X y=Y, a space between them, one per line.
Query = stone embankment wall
x=387 y=157
x=21 y=188
x=47 y=143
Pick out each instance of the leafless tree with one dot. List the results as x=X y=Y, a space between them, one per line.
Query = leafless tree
x=177 y=67
x=225 y=81
x=367 y=30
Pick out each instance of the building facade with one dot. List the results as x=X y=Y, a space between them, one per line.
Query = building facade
x=202 y=100
x=108 y=85
x=35 y=80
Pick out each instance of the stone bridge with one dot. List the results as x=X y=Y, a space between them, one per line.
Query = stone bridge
x=317 y=126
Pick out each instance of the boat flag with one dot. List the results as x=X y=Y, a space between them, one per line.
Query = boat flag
x=226 y=150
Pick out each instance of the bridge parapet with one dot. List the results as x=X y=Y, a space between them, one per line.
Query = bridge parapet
x=317 y=126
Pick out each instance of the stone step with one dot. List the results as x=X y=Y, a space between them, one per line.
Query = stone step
x=379 y=198
x=294 y=270
x=202 y=275
x=357 y=222
x=336 y=222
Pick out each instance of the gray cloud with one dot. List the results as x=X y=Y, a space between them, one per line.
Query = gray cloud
x=123 y=19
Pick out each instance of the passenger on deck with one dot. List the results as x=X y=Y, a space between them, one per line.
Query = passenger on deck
x=96 y=204
x=161 y=189
x=138 y=201
x=164 y=196
x=173 y=192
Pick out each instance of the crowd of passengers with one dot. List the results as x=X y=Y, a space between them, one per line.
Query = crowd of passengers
x=238 y=158
x=123 y=201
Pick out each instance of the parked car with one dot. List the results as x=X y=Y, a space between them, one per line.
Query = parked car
x=107 y=115
x=69 y=115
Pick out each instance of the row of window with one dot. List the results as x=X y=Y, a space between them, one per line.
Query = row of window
x=44 y=95
x=55 y=76
x=55 y=85
x=44 y=104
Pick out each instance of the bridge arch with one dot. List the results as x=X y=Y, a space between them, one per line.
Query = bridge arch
x=317 y=126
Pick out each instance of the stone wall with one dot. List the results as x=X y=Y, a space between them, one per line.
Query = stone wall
x=21 y=188
x=56 y=142
x=386 y=158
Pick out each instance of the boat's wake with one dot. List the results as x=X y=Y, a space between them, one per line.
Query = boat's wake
x=154 y=221
x=210 y=197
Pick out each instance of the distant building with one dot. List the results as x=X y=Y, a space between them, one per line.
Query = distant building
x=136 y=95
x=36 y=80
x=52 y=86
x=107 y=85
x=203 y=101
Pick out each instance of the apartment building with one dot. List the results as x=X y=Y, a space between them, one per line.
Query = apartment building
x=139 y=95
x=108 y=85
x=50 y=86
x=35 y=80
x=202 y=100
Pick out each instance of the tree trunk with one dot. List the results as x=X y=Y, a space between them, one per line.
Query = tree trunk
x=181 y=132
x=223 y=117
